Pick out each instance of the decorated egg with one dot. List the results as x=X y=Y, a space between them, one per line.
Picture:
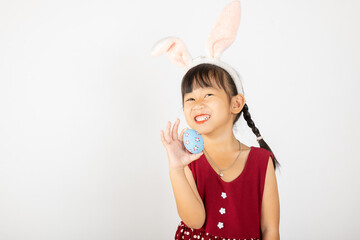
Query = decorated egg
x=193 y=141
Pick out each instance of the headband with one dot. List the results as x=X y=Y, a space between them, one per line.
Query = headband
x=220 y=38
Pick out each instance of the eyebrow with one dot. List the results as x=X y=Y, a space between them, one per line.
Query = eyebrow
x=205 y=89
x=186 y=95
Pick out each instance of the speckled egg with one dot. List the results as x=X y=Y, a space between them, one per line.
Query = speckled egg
x=193 y=141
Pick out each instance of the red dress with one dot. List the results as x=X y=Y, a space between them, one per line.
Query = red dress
x=233 y=208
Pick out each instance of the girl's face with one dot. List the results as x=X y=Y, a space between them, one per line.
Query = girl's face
x=207 y=109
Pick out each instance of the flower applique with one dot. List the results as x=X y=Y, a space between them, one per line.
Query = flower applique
x=222 y=210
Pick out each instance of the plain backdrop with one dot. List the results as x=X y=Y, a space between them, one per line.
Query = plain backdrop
x=82 y=104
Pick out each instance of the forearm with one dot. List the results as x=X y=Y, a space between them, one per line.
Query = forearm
x=270 y=235
x=190 y=209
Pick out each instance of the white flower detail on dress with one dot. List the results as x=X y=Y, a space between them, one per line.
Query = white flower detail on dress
x=223 y=195
x=222 y=210
x=220 y=225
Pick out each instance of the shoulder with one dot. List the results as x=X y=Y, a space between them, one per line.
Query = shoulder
x=194 y=165
x=262 y=158
x=262 y=153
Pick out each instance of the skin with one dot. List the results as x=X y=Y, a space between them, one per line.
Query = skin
x=221 y=144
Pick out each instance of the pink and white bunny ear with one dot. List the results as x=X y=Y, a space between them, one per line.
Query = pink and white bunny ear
x=224 y=31
x=175 y=49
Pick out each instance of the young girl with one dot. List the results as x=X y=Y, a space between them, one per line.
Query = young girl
x=229 y=190
x=242 y=202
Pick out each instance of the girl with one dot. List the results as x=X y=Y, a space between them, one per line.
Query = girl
x=229 y=190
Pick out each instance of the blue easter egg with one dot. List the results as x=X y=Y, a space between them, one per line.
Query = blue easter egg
x=193 y=141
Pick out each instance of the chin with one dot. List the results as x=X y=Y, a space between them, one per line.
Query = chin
x=202 y=131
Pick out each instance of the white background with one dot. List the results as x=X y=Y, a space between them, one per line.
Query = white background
x=82 y=104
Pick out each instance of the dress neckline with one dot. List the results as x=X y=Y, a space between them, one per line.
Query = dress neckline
x=238 y=177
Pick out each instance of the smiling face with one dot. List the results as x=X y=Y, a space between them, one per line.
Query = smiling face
x=207 y=109
x=210 y=99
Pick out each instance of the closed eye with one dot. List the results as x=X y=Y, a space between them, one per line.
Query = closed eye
x=205 y=96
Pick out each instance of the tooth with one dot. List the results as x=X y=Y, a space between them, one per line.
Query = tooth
x=202 y=118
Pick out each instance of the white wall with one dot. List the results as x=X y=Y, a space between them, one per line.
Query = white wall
x=82 y=104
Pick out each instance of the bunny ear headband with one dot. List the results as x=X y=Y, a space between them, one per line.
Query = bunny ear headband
x=221 y=37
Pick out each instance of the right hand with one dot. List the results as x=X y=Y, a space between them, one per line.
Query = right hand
x=177 y=154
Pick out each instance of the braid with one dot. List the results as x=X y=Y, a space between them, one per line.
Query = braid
x=249 y=121
x=256 y=131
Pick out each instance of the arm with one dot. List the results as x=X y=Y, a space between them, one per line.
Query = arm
x=270 y=211
x=188 y=201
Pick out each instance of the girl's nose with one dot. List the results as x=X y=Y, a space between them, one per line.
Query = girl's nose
x=198 y=106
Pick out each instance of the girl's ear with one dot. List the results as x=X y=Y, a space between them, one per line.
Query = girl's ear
x=175 y=49
x=224 y=31
x=237 y=103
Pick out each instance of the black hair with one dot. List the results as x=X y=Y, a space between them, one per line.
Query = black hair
x=203 y=75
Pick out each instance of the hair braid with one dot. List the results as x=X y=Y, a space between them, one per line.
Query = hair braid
x=256 y=131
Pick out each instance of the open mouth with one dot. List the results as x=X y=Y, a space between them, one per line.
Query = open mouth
x=201 y=118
